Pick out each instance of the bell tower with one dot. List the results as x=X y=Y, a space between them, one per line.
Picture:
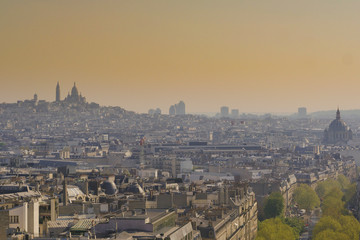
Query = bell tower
x=57 y=99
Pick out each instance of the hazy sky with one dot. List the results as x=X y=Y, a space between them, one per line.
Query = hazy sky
x=257 y=56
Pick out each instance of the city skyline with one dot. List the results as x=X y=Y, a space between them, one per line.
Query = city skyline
x=62 y=96
x=270 y=57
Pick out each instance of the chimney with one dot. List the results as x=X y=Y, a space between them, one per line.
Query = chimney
x=97 y=192
x=53 y=210
x=241 y=193
x=86 y=187
x=65 y=194
x=226 y=195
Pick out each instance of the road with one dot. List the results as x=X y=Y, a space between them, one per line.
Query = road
x=314 y=218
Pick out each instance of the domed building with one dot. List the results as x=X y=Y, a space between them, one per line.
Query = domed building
x=75 y=97
x=338 y=132
x=109 y=187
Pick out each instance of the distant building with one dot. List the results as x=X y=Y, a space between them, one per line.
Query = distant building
x=224 y=111
x=338 y=132
x=75 y=97
x=302 y=112
x=234 y=113
x=57 y=99
x=177 y=109
x=172 y=111
x=180 y=108
x=154 y=111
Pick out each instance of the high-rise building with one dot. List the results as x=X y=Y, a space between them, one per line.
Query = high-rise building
x=177 y=109
x=224 y=111
x=57 y=99
x=234 y=113
x=180 y=108
x=172 y=111
x=302 y=111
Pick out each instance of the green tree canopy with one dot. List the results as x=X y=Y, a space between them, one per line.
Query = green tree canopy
x=336 y=223
x=343 y=181
x=335 y=192
x=297 y=224
x=326 y=223
x=331 y=235
x=346 y=227
x=350 y=227
x=275 y=229
x=306 y=197
x=274 y=205
x=325 y=187
x=350 y=194
x=332 y=206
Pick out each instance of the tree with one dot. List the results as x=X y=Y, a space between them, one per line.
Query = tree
x=335 y=192
x=350 y=227
x=350 y=193
x=343 y=227
x=331 y=235
x=274 y=229
x=306 y=197
x=336 y=223
x=297 y=224
x=274 y=205
x=343 y=181
x=326 y=223
x=325 y=187
x=332 y=206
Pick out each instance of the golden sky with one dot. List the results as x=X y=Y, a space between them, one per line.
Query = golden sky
x=256 y=56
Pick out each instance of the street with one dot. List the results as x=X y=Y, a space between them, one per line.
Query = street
x=312 y=220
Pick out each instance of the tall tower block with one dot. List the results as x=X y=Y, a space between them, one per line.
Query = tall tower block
x=57 y=92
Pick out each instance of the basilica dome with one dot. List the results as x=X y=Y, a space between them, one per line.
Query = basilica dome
x=74 y=91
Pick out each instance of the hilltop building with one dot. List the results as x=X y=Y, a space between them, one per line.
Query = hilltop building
x=74 y=98
x=57 y=99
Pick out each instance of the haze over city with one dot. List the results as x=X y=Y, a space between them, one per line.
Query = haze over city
x=272 y=56
x=179 y=120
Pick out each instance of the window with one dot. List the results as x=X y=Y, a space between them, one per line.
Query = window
x=14 y=219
